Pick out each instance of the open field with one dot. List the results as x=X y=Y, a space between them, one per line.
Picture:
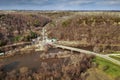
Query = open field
x=108 y=67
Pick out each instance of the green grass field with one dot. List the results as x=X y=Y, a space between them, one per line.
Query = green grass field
x=116 y=57
x=108 y=67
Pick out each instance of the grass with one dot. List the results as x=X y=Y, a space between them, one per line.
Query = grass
x=110 y=52
x=116 y=52
x=116 y=57
x=66 y=23
x=108 y=67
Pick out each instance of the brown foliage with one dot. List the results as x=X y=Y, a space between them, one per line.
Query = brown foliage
x=14 y=25
x=94 y=29
x=53 y=69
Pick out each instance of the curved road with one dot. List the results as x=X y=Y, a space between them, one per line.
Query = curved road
x=112 y=54
x=89 y=52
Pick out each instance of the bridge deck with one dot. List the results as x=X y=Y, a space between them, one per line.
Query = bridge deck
x=15 y=44
x=89 y=52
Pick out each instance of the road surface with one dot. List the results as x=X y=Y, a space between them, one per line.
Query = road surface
x=112 y=54
x=89 y=52
x=15 y=44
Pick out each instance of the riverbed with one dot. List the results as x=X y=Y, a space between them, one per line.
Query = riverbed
x=31 y=60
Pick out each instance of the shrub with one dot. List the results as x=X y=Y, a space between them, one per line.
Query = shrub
x=105 y=68
x=2 y=43
x=33 y=34
x=1 y=15
x=17 y=38
x=66 y=23
x=30 y=36
x=36 y=23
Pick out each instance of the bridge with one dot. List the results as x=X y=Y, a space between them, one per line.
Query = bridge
x=88 y=52
x=76 y=50
x=81 y=50
x=15 y=44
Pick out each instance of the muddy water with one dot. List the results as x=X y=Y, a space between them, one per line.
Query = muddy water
x=31 y=60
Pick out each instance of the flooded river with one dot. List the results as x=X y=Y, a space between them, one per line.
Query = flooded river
x=31 y=60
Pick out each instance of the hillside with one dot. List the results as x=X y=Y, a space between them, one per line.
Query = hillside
x=93 y=29
x=98 y=32
x=16 y=27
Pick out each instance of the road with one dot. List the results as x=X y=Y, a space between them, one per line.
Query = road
x=89 y=52
x=112 y=54
x=15 y=44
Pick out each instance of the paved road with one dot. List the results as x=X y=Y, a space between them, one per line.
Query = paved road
x=89 y=52
x=15 y=44
x=112 y=54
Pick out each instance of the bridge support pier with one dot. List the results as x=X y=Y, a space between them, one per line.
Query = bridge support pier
x=71 y=52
